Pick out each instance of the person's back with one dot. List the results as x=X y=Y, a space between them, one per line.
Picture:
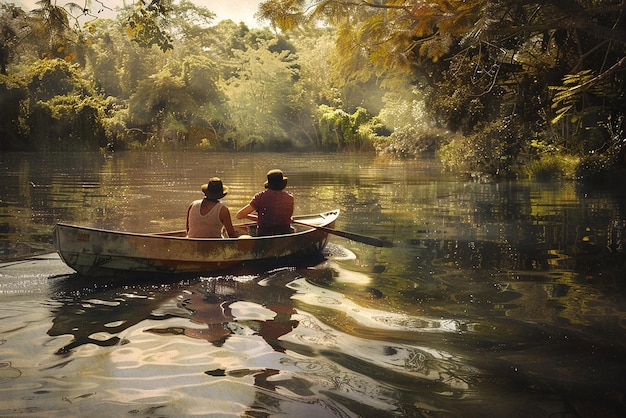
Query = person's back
x=206 y=217
x=274 y=206
x=274 y=209
x=207 y=225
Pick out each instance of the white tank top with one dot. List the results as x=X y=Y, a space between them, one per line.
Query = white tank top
x=205 y=226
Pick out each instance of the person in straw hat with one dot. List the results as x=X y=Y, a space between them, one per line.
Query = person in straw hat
x=206 y=217
x=273 y=206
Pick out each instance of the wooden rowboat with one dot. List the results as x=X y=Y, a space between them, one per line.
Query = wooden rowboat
x=96 y=252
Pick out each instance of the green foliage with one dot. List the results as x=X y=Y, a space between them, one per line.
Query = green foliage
x=285 y=14
x=599 y=163
x=404 y=107
x=12 y=20
x=480 y=59
x=595 y=165
x=552 y=166
x=262 y=96
x=52 y=33
x=63 y=111
x=371 y=75
x=221 y=86
x=492 y=150
x=72 y=123
x=406 y=115
x=572 y=98
x=412 y=141
x=116 y=134
x=50 y=78
x=332 y=123
x=162 y=102
x=144 y=24
x=51 y=107
x=12 y=132
x=342 y=131
x=318 y=78
x=108 y=47
x=201 y=76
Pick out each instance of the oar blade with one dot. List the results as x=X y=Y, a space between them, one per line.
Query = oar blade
x=356 y=237
x=375 y=242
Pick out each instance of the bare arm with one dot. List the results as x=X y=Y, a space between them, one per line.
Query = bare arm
x=188 y=210
x=227 y=221
x=245 y=211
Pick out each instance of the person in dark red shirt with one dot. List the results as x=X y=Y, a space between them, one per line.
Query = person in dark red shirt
x=273 y=206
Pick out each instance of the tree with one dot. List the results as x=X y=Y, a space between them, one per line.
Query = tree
x=208 y=121
x=13 y=134
x=342 y=131
x=260 y=96
x=187 y=22
x=159 y=99
x=53 y=32
x=107 y=50
x=480 y=61
x=13 y=26
x=63 y=111
x=145 y=24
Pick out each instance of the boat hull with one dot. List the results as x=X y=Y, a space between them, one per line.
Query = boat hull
x=99 y=253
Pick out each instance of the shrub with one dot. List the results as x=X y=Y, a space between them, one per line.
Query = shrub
x=552 y=166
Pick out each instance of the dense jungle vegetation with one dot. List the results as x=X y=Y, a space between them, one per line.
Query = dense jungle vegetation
x=495 y=88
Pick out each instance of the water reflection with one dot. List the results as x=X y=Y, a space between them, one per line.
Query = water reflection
x=267 y=328
x=490 y=299
x=150 y=192
x=223 y=306
x=98 y=312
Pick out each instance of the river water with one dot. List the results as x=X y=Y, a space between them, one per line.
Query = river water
x=488 y=299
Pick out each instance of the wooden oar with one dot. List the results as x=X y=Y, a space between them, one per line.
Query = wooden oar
x=350 y=235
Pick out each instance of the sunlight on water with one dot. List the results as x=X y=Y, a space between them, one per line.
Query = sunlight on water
x=347 y=276
x=372 y=318
x=424 y=362
x=246 y=311
x=488 y=300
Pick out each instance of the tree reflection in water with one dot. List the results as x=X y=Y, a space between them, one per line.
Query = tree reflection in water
x=490 y=299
